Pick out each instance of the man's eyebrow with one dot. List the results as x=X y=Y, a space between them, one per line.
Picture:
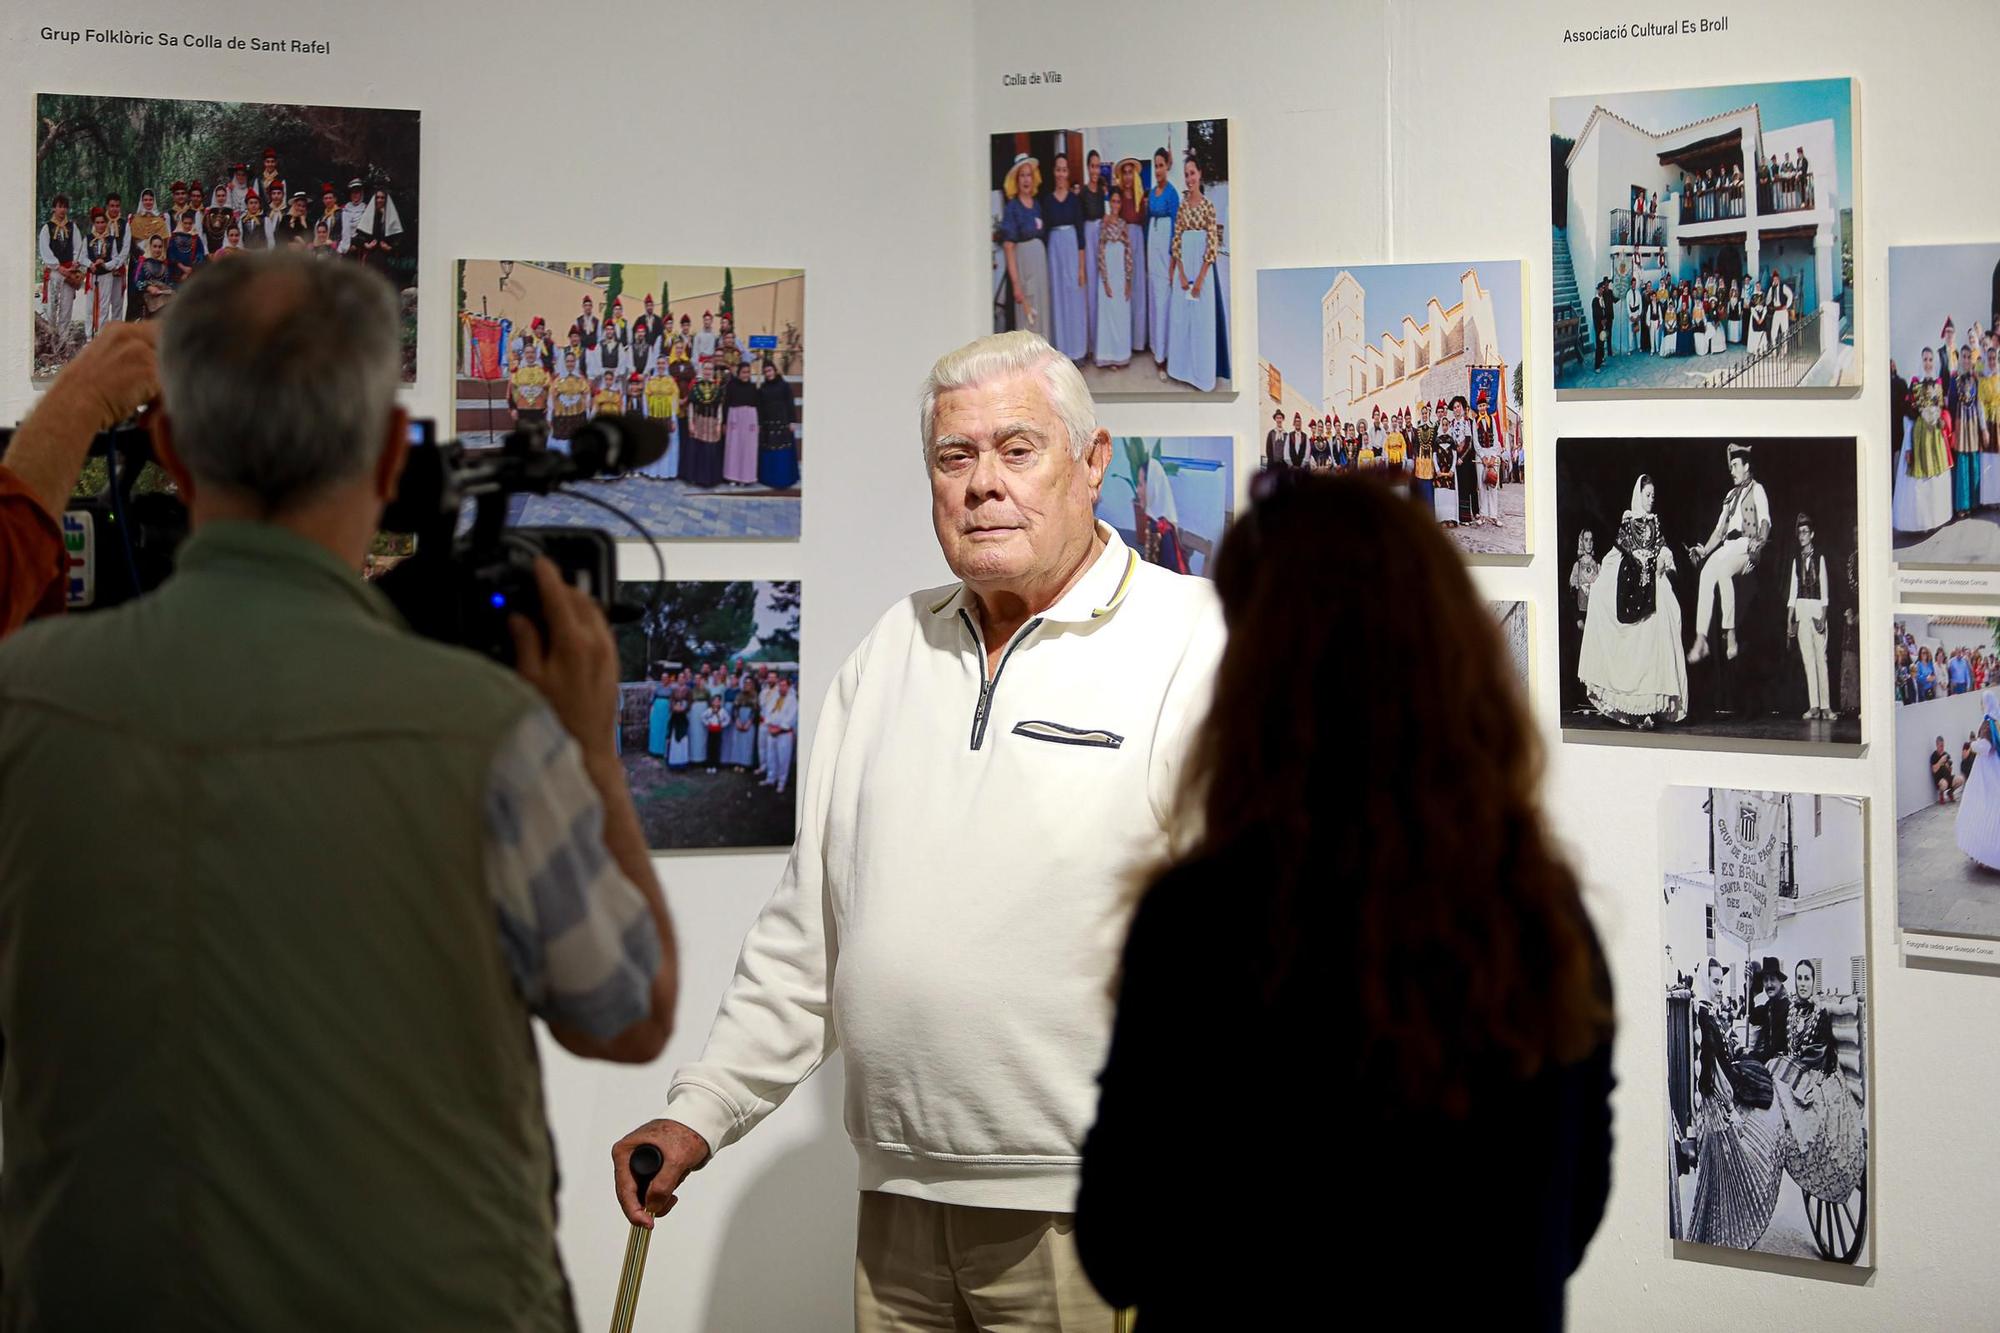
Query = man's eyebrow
x=1012 y=430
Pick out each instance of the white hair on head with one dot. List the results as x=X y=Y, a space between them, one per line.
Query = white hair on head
x=1002 y=354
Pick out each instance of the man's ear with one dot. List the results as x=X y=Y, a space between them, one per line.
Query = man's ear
x=1098 y=460
x=160 y=429
x=395 y=454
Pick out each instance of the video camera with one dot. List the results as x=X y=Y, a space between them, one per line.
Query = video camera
x=457 y=587
x=462 y=588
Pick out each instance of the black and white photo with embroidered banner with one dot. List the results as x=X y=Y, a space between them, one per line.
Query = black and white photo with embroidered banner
x=1764 y=977
x=133 y=195
x=1711 y=589
x=708 y=710
x=1112 y=242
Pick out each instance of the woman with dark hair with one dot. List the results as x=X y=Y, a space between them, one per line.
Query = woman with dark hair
x=1440 y=974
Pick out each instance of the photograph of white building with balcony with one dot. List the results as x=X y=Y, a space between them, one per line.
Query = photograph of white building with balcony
x=1702 y=239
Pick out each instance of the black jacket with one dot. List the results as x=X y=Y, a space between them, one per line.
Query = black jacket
x=1232 y=1163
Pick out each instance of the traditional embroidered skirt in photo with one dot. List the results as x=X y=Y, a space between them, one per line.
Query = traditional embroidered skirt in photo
x=739 y=745
x=1091 y=291
x=739 y=446
x=677 y=741
x=1989 y=462
x=1738 y=1167
x=1968 y=470
x=1921 y=501
x=1159 y=288
x=1114 y=322
x=1444 y=500
x=1069 y=315
x=777 y=456
x=1824 y=1147
x=697 y=751
x=1031 y=261
x=1191 y=336
x=1637 y=670
x=1978 y=818
x=701 y=455
x=1135 y=235
x=668 y=464
x=656 y=726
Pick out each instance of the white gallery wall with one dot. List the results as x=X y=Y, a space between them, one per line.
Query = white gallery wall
x=850 y=139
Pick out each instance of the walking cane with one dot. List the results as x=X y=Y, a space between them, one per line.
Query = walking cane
x=644 y=1164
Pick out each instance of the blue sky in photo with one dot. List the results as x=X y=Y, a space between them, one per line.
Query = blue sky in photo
x=1288 y=309
x=1778 y=104
x=1928 y=282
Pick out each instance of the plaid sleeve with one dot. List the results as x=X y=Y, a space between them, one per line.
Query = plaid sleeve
x=575 y=931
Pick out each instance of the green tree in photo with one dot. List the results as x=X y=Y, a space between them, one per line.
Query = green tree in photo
x=729 y=293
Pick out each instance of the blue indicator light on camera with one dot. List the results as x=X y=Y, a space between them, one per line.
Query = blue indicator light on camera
x=499 y=600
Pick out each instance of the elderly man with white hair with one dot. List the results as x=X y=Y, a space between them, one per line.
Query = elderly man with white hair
x=993 y=765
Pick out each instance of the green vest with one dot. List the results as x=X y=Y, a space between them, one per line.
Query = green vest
x=265 y=1065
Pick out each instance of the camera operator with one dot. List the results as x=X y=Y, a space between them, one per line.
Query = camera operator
x=109 y=380
x=283 y=883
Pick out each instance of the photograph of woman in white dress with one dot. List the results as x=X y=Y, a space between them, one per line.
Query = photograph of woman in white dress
x=1631 y=663
x=1979 y=802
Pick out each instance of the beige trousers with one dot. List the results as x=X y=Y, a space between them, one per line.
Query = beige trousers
x=922 y=1267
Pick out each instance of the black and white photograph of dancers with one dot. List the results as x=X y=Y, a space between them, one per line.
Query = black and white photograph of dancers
x=1947 y=677
x=1765 y=971
x=1944 y=404
x=1712 y=589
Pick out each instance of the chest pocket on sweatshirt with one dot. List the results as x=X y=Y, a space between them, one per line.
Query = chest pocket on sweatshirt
x=1058 y=734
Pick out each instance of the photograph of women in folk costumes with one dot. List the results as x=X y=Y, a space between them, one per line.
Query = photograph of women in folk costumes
x=709 y=710
x=1944 y=404
x=717 y=355
x=1113 y=243
x=1766 y=994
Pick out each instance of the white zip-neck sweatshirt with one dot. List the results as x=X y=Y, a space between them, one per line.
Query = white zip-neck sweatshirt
x=954 y=907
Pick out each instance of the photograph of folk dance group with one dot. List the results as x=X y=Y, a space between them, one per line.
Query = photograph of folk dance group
x=708 y=710
x=1703 y=239
x=1712 y=588
x=1411 y=371
x=1944 y=403
x=717 y=354
x=1113 y=243
x=134 y=194
x=1766 y=978
x=1947 y=674
x=1170 y=496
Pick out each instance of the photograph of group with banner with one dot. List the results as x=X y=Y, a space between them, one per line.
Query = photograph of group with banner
x=133 y=195
x=1112 y=242
x=1765 y=976
x=1409 y=371
x=715 y=354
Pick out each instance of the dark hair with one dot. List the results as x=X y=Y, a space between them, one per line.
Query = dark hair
x=1467 y=948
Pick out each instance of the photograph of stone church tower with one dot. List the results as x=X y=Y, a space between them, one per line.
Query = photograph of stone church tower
x=1345 y=354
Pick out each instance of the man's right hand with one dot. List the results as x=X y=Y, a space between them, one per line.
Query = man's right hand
x=113 y=376
x=576 y=667
x=682 y=1151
